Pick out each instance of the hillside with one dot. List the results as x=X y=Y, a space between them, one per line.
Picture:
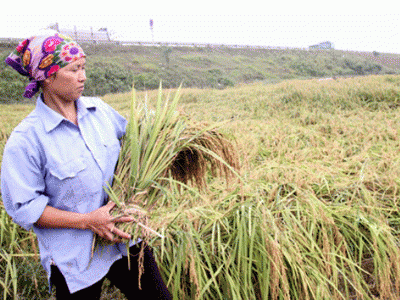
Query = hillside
x=113 y=68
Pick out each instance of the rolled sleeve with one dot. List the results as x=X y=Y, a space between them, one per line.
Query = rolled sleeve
x=22 y=185
x=29 y=212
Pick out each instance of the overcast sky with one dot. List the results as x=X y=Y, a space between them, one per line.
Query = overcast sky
x=349 y=25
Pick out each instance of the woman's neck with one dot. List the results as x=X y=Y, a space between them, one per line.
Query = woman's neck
x=65 y=108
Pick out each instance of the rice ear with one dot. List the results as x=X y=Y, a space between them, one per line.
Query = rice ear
x=209 y=151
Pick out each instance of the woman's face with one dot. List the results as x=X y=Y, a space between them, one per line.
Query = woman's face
x=68 y=83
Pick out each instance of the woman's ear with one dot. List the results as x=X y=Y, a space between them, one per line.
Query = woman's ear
x=47 y=81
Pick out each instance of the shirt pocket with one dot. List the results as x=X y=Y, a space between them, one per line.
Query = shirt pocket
x=70 y=184
x=67 y=170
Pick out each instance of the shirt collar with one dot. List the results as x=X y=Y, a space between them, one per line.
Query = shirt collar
x=83 y=107
x=51 y=119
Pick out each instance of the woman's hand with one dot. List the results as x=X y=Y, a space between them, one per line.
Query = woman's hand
x=102 y=223
x=99 y=221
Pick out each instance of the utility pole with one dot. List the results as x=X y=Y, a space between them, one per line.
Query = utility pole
x=151 y=28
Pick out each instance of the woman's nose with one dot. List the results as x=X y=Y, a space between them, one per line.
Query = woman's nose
x=82 y=75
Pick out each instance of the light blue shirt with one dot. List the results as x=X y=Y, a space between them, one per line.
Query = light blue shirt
x=50 y=161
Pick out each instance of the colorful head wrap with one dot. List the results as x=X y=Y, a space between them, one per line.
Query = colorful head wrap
x=40 y=56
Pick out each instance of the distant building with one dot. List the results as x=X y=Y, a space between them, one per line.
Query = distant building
x=100 y=36
x=322 y=46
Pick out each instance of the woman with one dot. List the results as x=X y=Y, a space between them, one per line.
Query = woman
x=54 y=167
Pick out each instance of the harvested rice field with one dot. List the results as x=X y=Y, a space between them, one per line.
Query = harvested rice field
x=297 y=198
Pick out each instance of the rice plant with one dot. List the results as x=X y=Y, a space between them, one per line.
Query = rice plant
x=8 y=279
x=13 y=252
x=19 y=261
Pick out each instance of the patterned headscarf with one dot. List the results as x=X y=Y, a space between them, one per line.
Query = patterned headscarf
x=41 y=56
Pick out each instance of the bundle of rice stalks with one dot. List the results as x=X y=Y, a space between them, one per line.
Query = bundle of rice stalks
x=162 y=148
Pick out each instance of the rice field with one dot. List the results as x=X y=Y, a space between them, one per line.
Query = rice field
x=313 y=214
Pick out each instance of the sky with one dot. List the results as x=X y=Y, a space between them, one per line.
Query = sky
x=349 y=24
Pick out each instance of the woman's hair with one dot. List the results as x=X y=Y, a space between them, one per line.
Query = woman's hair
x=41 y=83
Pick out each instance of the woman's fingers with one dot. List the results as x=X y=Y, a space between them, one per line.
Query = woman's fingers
x=103 y=224
x=110 y=205
x=121 y=234
x=122 y=219
x=111 y=233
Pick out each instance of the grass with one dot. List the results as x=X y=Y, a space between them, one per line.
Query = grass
x=317 y=214
x=111 y=68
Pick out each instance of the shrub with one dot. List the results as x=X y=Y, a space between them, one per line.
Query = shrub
x=146 y=81
x=107 y=77
x=12 y=84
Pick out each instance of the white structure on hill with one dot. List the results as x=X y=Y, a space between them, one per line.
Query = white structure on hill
x=322 y=46
x=100 y=36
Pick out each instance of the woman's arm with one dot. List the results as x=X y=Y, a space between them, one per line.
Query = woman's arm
x=99 y=221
